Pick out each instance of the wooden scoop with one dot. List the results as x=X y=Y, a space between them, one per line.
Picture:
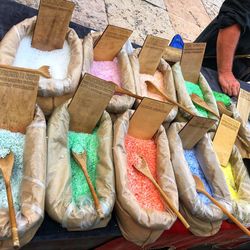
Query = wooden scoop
x=197 y=100
x=200 y=188
x=223 y=110
x=154 y=89
x=6 y=166
x=143 y=168
x=81 y=160
x=43 y=71
x=123 y=91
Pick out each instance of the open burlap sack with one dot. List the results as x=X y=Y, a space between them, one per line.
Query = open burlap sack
x=169 y=88
x=139 y=225
x=205 y=219
x=32 y=192
x=184 y=98
x=118 y=103
x=59 y=201
x=51 y=92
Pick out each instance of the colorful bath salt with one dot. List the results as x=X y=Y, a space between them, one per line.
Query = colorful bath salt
x=228 y=173
x=58 y=60
x=142 y=188
x=157 y=79
x=193 y=88
x=14 y=142
x=190 y=156
x=221 y=97
x=79 y=143
x=107 y=70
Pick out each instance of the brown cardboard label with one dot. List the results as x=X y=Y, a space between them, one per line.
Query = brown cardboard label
x=52 y=24
x=191 y=61
x=110 y=43
x=18 y=93
x=151 y=53
x=194 y=130
x=243 y=105
x=225 y=138
x=89 y=102
x=148 y=117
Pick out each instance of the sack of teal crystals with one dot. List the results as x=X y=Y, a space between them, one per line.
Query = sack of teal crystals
x=204 y=217
x=120 y=71
x=141 y=212
x=65 y=64
x=68 y=197
x=27 y=181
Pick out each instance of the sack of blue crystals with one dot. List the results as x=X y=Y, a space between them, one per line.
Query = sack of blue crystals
x=27 y=181
x=65 y=64
x=141 y=212
x=120 y=71
x=164 y=81
x=68 y=197
x=204 y=217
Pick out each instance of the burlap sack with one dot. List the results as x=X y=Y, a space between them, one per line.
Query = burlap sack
x=51 y=91
x=169 y=88
x=204 y=219
x=184 y=98
x=59 y=202
x=139 y=225
x=118 y=103
x=32 y=193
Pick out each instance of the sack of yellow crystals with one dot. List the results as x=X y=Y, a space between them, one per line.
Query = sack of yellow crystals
x=68 y=197
x=142 y=214
x=28 y=181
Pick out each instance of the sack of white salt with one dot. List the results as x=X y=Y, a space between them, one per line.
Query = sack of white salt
x=65 y=64
x=27 y=181
x=68 y=197
x=164 y=81
x=120 y=71
x=141 y=212
x=204 y=217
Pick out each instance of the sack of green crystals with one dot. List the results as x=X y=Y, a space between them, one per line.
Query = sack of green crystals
x=27 y=181
x=68 y=197
x=185 y=88
x=204 y=217
x=164 y=81
x=65 y=64
x=120 y=71
x=142 y=215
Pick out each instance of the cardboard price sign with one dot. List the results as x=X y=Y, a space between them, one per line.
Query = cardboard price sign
x=191 y=61
x=89 y=102
x=18 y=93
x=52 y=24
x=151 y=53
x=225 y=138
x=243 y=105
x=110 y=43
x=194 y=130
x=148 y=117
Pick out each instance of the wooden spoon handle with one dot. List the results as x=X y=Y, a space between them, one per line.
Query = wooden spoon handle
x=170 y=204
x=12 y=215
x=127 y=92
x=240 y=225
x=92 y=190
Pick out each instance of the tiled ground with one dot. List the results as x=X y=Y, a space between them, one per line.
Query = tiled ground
x=163 y=18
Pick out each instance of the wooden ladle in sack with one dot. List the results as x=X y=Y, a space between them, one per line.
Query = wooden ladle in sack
x=144 y=169
x=6 y=166
x=201 y=189
x=81 y=160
